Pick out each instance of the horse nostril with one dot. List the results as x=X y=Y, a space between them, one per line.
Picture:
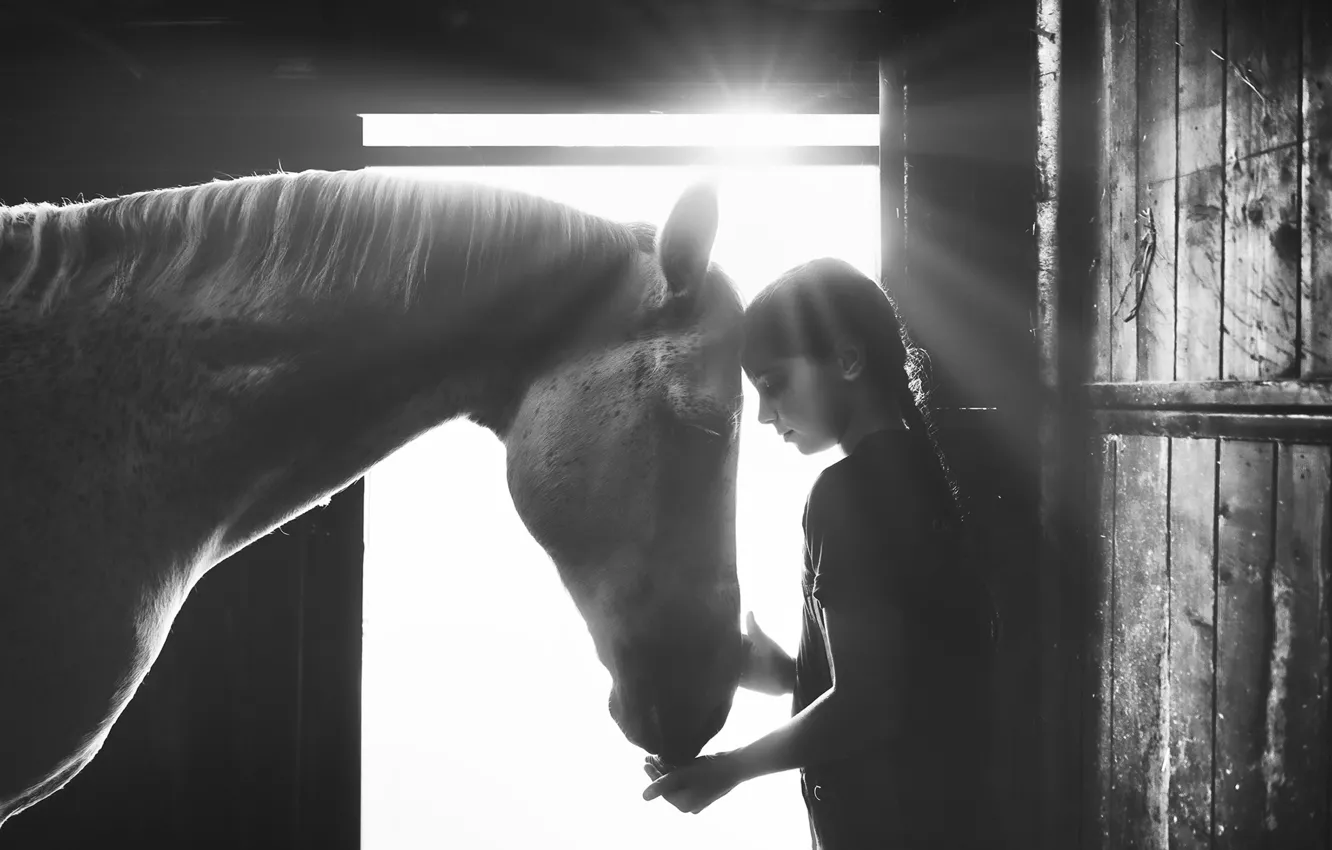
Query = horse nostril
x=640 y=721
x=652 y=734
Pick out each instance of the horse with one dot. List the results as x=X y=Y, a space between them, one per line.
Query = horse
x=183 y=370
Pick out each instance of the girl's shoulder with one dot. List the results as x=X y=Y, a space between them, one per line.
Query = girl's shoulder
x=837 y=486
x=879 y=471
x=890 y=489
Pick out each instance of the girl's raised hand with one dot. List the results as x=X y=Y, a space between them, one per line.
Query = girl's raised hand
x=768 y=669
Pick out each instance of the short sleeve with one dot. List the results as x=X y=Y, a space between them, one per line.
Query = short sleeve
x=875 y=541
x=847 y=551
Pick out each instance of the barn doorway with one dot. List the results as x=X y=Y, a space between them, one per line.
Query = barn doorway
x=483 y=706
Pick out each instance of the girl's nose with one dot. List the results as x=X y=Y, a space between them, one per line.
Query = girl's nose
x=766 y=415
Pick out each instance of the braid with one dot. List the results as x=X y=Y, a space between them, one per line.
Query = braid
x=907 y=376
x=913 y=401
x=912 y=397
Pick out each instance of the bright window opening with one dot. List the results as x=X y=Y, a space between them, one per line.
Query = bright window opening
x=484 y=706
x=645 y=130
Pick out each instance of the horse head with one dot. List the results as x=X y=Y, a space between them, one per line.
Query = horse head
x=622 y=464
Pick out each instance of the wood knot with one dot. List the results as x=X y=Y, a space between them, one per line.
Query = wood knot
x=1286 y=241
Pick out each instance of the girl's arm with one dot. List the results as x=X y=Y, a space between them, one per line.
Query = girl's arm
x=768 y=669
x=862 y=707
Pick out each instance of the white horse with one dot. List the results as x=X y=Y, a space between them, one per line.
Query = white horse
x=183 y=370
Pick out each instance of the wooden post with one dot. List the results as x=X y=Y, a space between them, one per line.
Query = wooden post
x=1050 y=498
x=892 y=151
x=1067 y=62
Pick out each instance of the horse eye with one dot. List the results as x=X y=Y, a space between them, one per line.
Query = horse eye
x=704 y=429
x=711 y=427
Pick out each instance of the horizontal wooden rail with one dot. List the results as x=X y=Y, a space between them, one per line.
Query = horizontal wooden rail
x=1250 y=396
x=1285 y=411
x=1280 y=427
x=618 y=156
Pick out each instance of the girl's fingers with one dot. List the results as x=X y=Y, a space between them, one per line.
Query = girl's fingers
x=664 y=785
x=752 y=627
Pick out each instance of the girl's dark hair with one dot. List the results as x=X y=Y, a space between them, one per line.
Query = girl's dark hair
x=808 y=309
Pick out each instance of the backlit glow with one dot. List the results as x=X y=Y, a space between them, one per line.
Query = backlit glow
x=638 y=130
x=484 y=706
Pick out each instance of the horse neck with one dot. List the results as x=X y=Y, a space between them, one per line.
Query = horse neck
x=290 y=343
x=362 y=259
x=376 y=383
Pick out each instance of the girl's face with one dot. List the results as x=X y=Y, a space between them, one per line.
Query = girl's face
x=801 y=398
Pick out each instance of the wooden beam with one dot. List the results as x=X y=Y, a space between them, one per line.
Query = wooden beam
x=892 y=151
x=1286 y=428
x=1052 y=498
x=618 y=156
x=1294 y=396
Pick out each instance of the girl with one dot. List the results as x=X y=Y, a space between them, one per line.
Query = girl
x=890 y=680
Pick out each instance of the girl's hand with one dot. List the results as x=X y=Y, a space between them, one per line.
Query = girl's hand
x=695 y=785
x=768 y=669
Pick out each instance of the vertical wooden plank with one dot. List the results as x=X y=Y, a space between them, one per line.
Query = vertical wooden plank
x=1201 y=191
x=1316 y=183
x=1102 y=329
x=1192 y=640
x=1263 y=84
x=1100 y=660
x=1295 y=756
x=1158 y=99
x=1244 y=557
x=1119 y=226
x=1138 y=803
x=328 y=725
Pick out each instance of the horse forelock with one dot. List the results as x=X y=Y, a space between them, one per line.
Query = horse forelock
x=308 y=234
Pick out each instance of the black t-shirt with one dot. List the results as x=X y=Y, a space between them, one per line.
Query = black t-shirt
x=880 y=533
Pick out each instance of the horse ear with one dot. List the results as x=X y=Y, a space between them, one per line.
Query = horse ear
x=685 y=245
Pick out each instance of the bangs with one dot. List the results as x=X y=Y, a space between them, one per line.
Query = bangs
x=798 y=315
x=771 y=333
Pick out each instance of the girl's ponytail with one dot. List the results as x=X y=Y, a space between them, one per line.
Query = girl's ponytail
x=910 y=392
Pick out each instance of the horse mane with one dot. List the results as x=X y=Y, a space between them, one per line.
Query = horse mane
x=258 y=239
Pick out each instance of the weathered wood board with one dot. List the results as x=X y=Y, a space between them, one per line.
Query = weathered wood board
x=1201 y=182
x=1138 y=804
x=1193 y=465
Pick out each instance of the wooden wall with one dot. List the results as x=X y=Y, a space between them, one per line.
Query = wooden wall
x=246 y=733
x=1212 y=728
x=1217 y=189
x=1211 y=465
